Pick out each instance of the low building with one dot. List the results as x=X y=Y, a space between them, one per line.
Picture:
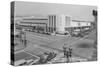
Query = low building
x=52 y=23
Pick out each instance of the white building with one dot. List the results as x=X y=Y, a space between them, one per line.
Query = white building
x=59 y=22
x=75 y=23
x=53 y=23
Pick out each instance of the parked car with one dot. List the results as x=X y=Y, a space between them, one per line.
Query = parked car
x=67 y=33
x=77 y=34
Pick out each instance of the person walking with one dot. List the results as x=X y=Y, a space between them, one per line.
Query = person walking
x=70 y=52
x=66 y=53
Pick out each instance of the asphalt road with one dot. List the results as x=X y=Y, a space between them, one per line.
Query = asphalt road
x=55 y=43
x=40 y=43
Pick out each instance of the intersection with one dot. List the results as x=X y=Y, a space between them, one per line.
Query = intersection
x=38 y=44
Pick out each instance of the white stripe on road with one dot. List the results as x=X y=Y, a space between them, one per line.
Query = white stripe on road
x=31 y=54
x=39 y=37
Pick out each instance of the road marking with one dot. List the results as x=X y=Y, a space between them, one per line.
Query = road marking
x=31 y=54
x=46 y=38
x=37 y=36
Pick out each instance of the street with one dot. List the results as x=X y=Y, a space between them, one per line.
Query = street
x=40 y=43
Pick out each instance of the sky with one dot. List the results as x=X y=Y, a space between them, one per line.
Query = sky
x=76 y=12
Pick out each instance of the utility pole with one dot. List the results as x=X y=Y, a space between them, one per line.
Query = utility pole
x=25 y=41
x=94 y=13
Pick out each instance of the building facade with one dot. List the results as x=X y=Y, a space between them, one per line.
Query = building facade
x=52 y=24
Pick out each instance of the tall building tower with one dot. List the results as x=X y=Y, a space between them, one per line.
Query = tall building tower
x=58 y=23
x=63 y=22
x=52 y=23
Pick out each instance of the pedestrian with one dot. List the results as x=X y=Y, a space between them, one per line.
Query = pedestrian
x=64 y=50
x=70 y=52
x=67 y=56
